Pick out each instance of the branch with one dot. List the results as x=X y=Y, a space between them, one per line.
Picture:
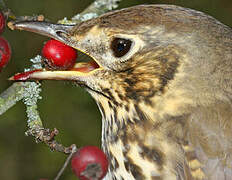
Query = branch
x=12 y=95
x=29 y=91
x=7 y=12
x=73 y=150
x=97 y=8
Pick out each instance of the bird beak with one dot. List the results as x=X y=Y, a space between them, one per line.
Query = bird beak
x=40 y=74
x=61 y=33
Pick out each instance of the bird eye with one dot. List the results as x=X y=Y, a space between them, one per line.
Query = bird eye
x=120 y=46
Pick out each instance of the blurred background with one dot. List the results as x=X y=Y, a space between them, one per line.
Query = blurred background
x=64 y=106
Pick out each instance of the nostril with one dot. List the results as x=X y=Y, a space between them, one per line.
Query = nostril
x=60 y=33
x=62 y=29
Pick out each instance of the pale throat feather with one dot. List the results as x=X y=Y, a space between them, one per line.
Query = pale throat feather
x=130 y=146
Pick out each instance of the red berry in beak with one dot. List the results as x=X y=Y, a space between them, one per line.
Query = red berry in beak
x=5 y=52
x=89 y=163
x=58 y=55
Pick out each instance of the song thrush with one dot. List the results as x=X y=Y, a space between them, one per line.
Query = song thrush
x=163 y=86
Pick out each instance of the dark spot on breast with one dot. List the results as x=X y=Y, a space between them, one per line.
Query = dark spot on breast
x=114 y=178
x=123 y=137
x=110 y=95
x=116 y=163
x=136 y=120
x=152 y=155
x=127 y=165
x=148 y=101
x=126 y=107
x=110 y=157
x=110 y=105
x=115 y=114
x=140 y=113
x=129 y=82
x=131 y=93
x=121 y=97
x=135 y=170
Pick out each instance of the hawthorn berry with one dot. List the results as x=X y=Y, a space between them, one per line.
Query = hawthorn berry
x=89 y=163
x=58 y=55
x=5 y=52
x=2 y=22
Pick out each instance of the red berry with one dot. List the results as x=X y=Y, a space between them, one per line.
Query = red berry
x=2 y=22
x=89 y=163
x=5 y=52
x=59 y=55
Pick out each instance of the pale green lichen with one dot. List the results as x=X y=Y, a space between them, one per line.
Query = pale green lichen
x=66 y=21
x=108 y=4
x=31 y=93
x=37 y=63
x=96 y=9
x=31 y=96
x=85 y=17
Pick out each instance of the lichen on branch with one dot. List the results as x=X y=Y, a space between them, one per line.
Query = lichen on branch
x=94 y=10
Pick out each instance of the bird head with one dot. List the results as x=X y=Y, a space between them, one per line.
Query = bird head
x=147 y=55
x=137 y=51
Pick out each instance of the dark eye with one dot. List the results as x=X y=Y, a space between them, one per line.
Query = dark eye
x=120 y=46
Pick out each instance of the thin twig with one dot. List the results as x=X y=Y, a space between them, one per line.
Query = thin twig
x=74 y=149
x=48 y=137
